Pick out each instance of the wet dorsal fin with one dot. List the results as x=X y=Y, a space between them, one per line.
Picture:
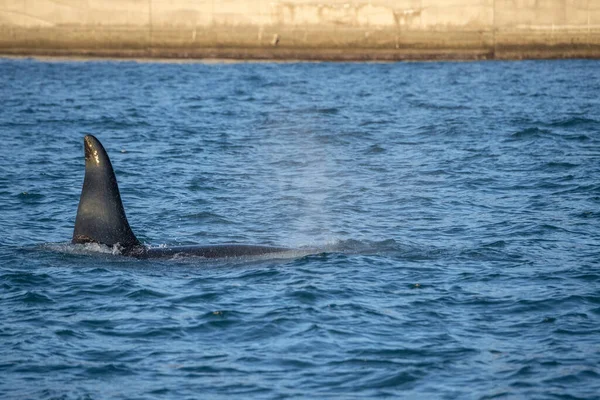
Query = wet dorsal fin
x=101 y=216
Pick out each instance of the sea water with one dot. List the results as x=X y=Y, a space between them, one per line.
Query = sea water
x=446 y=218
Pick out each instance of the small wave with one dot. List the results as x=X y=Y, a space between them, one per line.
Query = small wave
x=21 y=279
x=32 y=297
x=143 y=294
x=30 y=198
x=439 y=106
x=557 y=166
x=573 y=122
x=375 y=149
x=196 y=298
x=392 y=379
x=68 y=333
x=209 y=217
x=577 y=137
x=109 y=369
x=320 y=110
x=530 y=133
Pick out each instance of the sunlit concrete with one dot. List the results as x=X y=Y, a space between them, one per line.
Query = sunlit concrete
x=303 y=29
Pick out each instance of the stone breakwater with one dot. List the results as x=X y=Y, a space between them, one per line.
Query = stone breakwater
x=303 y=29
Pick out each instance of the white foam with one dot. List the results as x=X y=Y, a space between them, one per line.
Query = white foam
x=86 y=248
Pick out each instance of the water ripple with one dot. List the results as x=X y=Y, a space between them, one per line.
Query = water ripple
x=444 y=215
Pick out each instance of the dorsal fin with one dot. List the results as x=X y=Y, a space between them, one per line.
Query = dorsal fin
x=100 y=215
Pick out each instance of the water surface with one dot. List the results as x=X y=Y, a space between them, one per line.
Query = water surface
x=454 y=208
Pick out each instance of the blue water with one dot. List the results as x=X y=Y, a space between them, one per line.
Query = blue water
x=453 y=210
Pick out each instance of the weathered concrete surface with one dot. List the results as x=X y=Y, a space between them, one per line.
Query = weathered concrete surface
x=303 y=29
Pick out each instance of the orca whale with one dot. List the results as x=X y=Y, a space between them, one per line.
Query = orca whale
x=101 y=216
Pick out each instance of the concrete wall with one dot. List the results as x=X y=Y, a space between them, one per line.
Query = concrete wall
x=304 y=29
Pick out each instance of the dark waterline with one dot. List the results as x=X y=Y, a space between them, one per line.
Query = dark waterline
x=455 y=206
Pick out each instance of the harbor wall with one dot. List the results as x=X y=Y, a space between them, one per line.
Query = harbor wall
x=303 y=29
